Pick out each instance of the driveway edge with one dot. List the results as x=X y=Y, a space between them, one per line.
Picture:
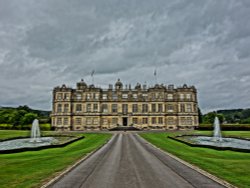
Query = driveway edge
x=203 y=172
x=68 y=169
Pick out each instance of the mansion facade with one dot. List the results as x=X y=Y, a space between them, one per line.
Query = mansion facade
x=92 y=108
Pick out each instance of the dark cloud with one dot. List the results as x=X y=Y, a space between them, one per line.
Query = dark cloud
x=47 y=43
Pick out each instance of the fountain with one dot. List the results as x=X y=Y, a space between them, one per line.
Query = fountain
x=34 y=141
x=217 y=141
x=217 y=132
x=35 y=131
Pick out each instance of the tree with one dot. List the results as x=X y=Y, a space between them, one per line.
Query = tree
x=200 y=115
x=28 y=118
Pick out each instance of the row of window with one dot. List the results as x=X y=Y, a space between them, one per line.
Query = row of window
x=135 y=108
x=96 y=96
x=135 y=120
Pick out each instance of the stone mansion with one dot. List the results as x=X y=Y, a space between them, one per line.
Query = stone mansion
x=159 y=107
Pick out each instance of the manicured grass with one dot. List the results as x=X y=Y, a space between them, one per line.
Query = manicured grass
x=232 y=166
x=31 y=169
x=5 y=134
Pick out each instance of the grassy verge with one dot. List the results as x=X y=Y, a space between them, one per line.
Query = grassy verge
x=229 y=165
x=31 y=169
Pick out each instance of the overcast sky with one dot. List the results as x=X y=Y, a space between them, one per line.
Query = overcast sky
x=50 y=42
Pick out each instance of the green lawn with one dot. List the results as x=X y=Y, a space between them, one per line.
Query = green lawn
x=232 y=166
x=31 y=169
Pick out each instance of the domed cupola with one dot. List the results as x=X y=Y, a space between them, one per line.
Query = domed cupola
x=118 y=84
x=81 y=85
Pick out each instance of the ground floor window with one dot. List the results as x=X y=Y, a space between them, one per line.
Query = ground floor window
x=95 y=121
x=160 y=120
x=144 y=120
x=65 y=121
x=59 y=121
x=153 y=120
x=114 y=121
x=135 y=120
x=78 y=121
x=170 y=121
x=88 y=121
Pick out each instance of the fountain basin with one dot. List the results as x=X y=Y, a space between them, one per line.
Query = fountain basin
x=29 y=144
x=225 y=143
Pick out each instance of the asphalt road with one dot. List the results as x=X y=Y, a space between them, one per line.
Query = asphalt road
x=129 y=161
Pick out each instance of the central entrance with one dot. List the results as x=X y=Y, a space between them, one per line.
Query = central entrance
x=125 y=121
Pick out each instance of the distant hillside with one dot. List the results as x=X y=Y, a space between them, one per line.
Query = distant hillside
x=22 y=115
x=241 y=116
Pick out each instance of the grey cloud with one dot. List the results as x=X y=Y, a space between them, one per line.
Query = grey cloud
x=47 y=43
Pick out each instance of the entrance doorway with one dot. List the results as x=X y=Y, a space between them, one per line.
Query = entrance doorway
x=125 y=121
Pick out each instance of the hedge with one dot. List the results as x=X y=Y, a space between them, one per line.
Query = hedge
x=44 y=127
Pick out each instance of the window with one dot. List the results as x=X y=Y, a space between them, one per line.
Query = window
x=144 y=108
x=88 y=108
x=59 y=121
x=104 y=108
x=104 y=96
x=183 y=121
x=124 y=96
x=135 y=121
x=78 y=121
x=189 y=121
x=188 y=96
x=144 y=120
x=181 y=96
x=153 y=106
x=153 y=120
x=95 y=107
x=135 y=96
x=59 y=108
x=104 y=121
x=171 y=121
x=66 y=96
x=160 y=109
x=114 y=108
x=124 y=108
x=78 y=107
x=114 y=121
x=170 y=96
x=144 y=95
x=170 y=108
x=59 y=96
x=88 y=121
x=114 y=96
x=182 y=108
x=95 y=121
x=88 y=96
x=189 y=107
x=65 y=121
x=66 y=107
x=135 y=108
x=78 y=96
x=160 y=120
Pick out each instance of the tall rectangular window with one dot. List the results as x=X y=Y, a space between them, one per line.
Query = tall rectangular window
x=124 y=108
x=153 y=120
x=95 y=107
x=59 y=108
x=59 y=96
x=105 y=108
x=189 y=121
x=104 y=96
x=170 y=96
x=182 y=108
x=135 y=108
x=88 y=108
x=114 y=108
x=144 y=108
x=78 y=96
x=171 y=121
x=88 y=121
x=160 y=120
x=153 y=107
x=59 y=121
x=189 y=107
x=66 y=107
x=65 y=121
x=160 y=109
